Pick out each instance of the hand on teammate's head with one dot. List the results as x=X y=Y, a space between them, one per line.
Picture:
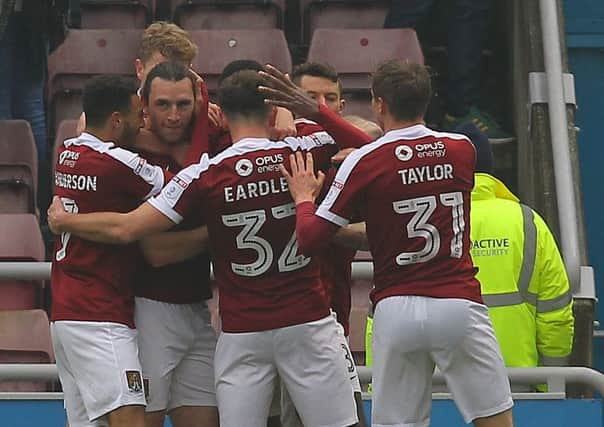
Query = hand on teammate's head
x=304 y=185
x=280 y=91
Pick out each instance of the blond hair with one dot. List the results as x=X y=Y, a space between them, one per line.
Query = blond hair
x=168 y=39
x=370 y=128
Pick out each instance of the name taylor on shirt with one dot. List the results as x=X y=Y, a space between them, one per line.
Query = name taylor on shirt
x=416 y=175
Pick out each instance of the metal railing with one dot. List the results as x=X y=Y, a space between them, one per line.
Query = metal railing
x=555 y=377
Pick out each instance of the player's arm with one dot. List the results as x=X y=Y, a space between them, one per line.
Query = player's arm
x=312 y=232
x=353 y=236
x=174 y=246
x=282 y=92
x=108 y=227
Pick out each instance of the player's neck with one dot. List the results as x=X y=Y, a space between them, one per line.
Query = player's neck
x=101 y=134
x=392 y=124
x=247 y=130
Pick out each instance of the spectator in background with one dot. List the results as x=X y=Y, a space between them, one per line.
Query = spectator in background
x=468 y=21
x=522 y=275
x=23 y=56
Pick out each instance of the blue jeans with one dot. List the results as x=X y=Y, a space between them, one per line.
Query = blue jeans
x=22 y=75
x=468 y=20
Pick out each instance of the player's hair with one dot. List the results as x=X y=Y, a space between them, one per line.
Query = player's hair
x=168 y=39
x=239 y=65
x=169 y=71
x=370 y=128
x=316 y=69
x=106 y=94
x=238 y=96
x=405 y=87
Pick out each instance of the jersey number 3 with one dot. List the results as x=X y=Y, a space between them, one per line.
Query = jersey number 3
x=248 y=238
x=422 y=209
x=70 y=206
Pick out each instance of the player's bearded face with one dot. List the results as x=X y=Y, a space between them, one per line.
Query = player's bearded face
x=170 y=109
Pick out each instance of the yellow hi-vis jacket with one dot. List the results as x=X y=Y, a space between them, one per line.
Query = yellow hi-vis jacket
x=522 y=276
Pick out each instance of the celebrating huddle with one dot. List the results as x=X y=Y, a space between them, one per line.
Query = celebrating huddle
x=130 y=275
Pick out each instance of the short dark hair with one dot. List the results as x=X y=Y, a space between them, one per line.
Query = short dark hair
x=170 y=71
x=316 y=69
x=106 y=94
x=239 y=65
x=238 y=95
x=405 y=87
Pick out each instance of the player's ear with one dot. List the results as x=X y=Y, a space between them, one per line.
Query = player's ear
x=116 y=120
x=139 y=67
x=377 y=104
x=273 y=115
x=342 y=104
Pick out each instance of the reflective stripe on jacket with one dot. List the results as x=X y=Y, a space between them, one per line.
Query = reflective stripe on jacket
x=522 y=276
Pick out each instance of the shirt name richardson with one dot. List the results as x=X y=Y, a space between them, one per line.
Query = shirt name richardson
x=75 y=182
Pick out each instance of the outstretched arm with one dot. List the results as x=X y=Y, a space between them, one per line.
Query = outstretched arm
x=108 y=227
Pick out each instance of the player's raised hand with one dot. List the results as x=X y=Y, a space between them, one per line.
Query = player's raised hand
x=284 y=125
x=215 y=115
x=280 y=91
x=56 y=211
x=304 y=185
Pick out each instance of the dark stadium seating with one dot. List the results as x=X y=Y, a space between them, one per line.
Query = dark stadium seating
x=228 y=14
x=66 y=130
x=124 y=14
x=21 y=241
x=18 y=167
x=359 y=52
x=25 y=338
x=341 y=14
x=83 y=54
x=224 y=46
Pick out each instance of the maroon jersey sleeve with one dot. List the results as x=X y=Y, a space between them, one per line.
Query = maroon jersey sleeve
x=200 y=136
x=183 y=193
x=346 y=135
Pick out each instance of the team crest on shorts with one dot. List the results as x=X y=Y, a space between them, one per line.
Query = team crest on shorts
x=134 y=381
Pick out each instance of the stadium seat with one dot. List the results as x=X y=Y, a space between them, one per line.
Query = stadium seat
x=25 y=338
x=228 y=14
x=18 y=167
x=66 y=130
x=21 y=241
x=360 y=51
x=84 y=54
x=342 y=14
x=264 y=46
x=100 y=14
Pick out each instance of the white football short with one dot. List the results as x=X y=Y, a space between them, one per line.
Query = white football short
x=177 y=345
x=412 y=334
x=308 y=360
x=289 y=415
x=99 y=369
